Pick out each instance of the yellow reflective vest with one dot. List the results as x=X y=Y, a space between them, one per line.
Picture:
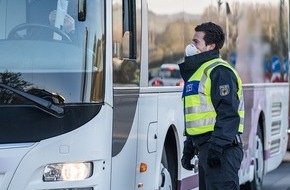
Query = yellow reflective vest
x=200 y=115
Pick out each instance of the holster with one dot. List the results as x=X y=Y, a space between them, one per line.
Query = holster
x=237 y=141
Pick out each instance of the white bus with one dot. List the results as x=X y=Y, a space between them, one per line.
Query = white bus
x=77 y=111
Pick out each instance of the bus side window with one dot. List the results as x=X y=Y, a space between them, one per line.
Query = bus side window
x=125 y=67
x=166 y=41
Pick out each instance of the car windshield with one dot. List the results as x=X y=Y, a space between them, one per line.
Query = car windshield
x=52 y=48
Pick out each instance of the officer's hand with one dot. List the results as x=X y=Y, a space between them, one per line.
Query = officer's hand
x=214 y=158
x=186 y=162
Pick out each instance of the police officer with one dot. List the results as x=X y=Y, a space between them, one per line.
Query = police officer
x=213 y=112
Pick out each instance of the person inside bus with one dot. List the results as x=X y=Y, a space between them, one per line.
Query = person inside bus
x=214 y=111
x=52 y=15
x=64 y=16
x=68 y=22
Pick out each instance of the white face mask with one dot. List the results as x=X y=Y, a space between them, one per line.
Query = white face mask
x=191 y=50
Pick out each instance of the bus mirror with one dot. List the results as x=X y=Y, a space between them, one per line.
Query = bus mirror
x=82 y=10
x=126 y=45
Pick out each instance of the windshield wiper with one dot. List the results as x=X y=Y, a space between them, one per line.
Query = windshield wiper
x=40 y=103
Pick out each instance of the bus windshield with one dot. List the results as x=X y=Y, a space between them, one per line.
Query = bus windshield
x=52 y=48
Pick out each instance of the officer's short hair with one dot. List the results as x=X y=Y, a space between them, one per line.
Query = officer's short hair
x=213 y=34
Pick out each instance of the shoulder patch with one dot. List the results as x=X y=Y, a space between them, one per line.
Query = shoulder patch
x=224 y=90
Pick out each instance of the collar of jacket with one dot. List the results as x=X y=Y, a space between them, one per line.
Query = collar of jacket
x=192 y=63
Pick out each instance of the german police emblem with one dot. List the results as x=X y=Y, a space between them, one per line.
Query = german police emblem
x=224 y=90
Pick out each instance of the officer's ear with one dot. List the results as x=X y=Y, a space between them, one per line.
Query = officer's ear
x=210 y=47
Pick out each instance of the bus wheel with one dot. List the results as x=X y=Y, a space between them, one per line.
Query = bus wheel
x=165 y=181
x=258 y=162
x=257 y=182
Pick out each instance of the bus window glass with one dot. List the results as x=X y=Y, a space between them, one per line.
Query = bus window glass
x=166 y=40
x=126 y=42
x=263 y=29
x=53 y=51
x=249 y=26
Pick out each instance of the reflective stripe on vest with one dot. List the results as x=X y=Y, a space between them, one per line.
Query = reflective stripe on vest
x=200 y=115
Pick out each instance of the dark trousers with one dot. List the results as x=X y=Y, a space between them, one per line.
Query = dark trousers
x=224 y=177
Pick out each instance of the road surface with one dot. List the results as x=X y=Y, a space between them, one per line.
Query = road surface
x=279 y=179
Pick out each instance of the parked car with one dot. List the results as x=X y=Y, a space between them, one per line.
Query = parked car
x=168 y=75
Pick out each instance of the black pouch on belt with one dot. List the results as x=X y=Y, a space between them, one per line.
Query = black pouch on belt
x=237 y=140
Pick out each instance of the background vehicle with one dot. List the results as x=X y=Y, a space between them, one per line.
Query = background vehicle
x=76 y=108
x=168 y=75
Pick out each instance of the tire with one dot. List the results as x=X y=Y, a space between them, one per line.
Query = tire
x=165 y=180
x=168 y=165
x=259 y=161
x=257 y=182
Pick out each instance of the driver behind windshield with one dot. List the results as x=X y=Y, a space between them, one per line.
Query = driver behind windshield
x=60 y=17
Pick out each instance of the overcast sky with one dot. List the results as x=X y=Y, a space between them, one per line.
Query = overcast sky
x=192 y=6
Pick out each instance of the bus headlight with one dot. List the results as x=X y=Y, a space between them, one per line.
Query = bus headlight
x=67 y=171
